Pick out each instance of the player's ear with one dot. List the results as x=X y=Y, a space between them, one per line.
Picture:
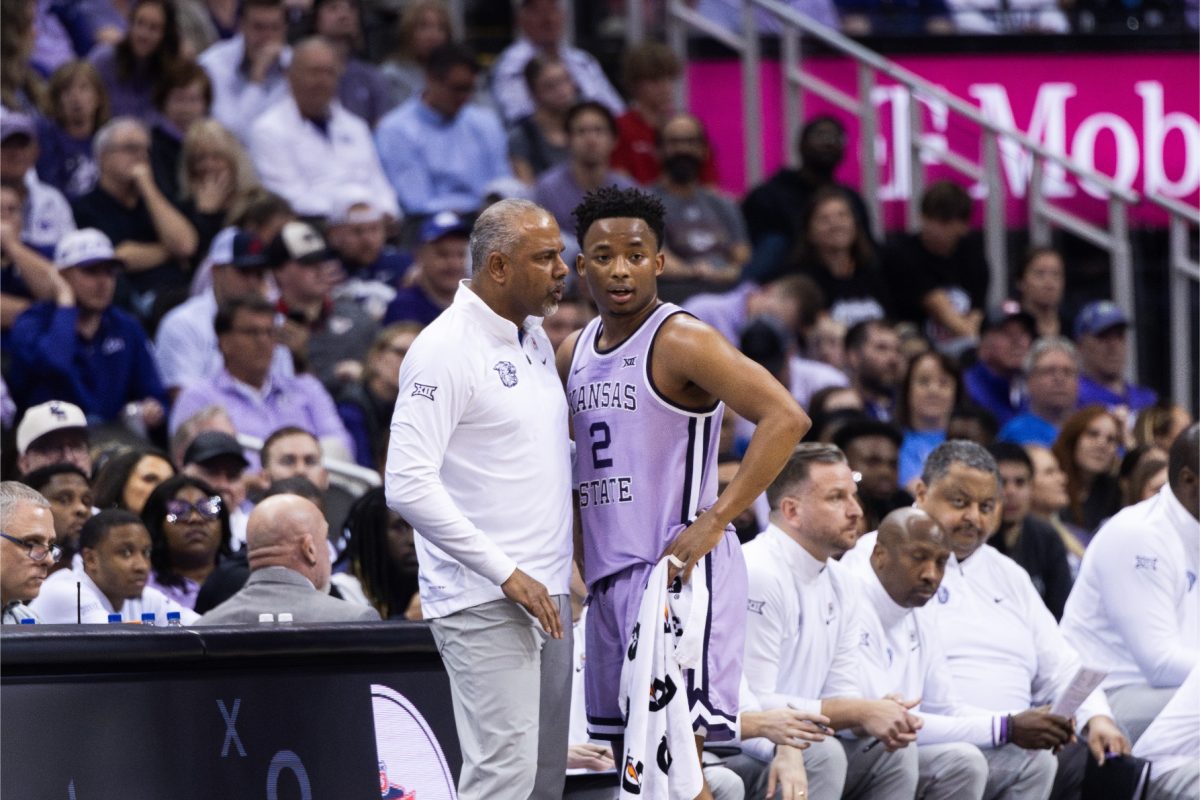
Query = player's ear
x=660 y=262
x=579 y=263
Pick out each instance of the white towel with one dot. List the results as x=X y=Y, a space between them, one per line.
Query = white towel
x=660 y=747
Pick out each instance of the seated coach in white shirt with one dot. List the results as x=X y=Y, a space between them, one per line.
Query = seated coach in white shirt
x=1135 y=610
x=1005 y=651
x=800 y=629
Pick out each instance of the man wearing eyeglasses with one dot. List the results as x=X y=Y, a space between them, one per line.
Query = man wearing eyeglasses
x=27 y=549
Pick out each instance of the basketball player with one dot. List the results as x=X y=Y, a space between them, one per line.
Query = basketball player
x=646 y=387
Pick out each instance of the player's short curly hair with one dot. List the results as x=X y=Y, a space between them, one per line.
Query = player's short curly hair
x=609 y=202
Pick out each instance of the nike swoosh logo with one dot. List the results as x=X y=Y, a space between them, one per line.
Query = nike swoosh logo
x=998 y=599
x=577 y=370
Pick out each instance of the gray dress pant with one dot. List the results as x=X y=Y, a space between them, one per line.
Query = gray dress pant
x=511 y=686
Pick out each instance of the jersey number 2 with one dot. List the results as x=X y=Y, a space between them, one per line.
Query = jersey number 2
x=601 y=439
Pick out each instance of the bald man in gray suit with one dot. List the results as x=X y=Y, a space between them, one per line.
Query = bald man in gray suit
x=289 y=569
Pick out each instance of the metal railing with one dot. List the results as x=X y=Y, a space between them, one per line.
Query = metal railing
x=1113 y=237
x=1184 y=279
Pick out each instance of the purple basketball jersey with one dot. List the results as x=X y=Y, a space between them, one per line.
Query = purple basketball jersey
x=643 y=465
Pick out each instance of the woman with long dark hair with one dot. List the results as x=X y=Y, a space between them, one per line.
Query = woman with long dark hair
x=837 y=253
x=1087 y=448
x=127 y=479
x=189 y=533
x=132 y=68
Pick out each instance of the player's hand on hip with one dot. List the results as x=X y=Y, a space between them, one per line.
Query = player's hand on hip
x=692 y=544
x=533 y=597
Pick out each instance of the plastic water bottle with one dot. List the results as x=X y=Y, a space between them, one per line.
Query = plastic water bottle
x=174 y=620
x=114 y=619
x=285 y=618
x=266 y=617
x=148 y=618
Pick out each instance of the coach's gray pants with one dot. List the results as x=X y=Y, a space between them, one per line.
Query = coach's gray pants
x=1135 y=706
x=511 y=686
x=853 y=769
x=1017 y=774
x=954 y=771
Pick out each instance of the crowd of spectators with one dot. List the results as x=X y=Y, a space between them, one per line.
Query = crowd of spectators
x=220 y=220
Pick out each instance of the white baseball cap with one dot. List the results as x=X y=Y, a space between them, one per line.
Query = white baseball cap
x=48 y=417
x=84 y=247
x=353 y=204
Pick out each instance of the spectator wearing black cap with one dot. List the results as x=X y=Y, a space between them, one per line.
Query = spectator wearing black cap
x=46 y=214
x=82 y=349
x=872 y=450
x=1025 y=538
x=440 y=266
x=186 y=345
x=257 y=401
x=1100 y=334
x=993 y=381
x=217 y=459
x=327 y=337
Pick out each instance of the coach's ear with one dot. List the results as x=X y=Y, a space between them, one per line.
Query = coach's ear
x=498 y=268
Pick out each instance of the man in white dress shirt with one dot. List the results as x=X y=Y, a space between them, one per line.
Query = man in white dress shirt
x=479 y=462
x=801 y=649
x=1004 y=650
x=1135 y=610
x=248 y=71
x=306 y=147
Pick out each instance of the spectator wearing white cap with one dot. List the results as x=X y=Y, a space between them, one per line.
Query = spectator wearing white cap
x=328 y=337
x=186 y=345
x=46 y=214
x=1104 y=352
x=81 y=348
x=52 y=433
x=307 y=145
x=357 y=232
x=441 y=265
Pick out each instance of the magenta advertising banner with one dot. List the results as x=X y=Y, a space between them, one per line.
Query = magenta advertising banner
x=1133 y=117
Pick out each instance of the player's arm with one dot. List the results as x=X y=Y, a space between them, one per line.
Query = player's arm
x=697 y=360
x=566 y=352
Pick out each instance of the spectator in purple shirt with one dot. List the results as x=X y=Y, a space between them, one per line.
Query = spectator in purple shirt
x=131 y=68
x=441 y=264
x=78 y=107
x=258 y=401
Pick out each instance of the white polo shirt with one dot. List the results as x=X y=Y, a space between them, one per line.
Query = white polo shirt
x=1135 y=608
x=1004 y=649
x=800 y=644
x=900 y=651
x=479 y=460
